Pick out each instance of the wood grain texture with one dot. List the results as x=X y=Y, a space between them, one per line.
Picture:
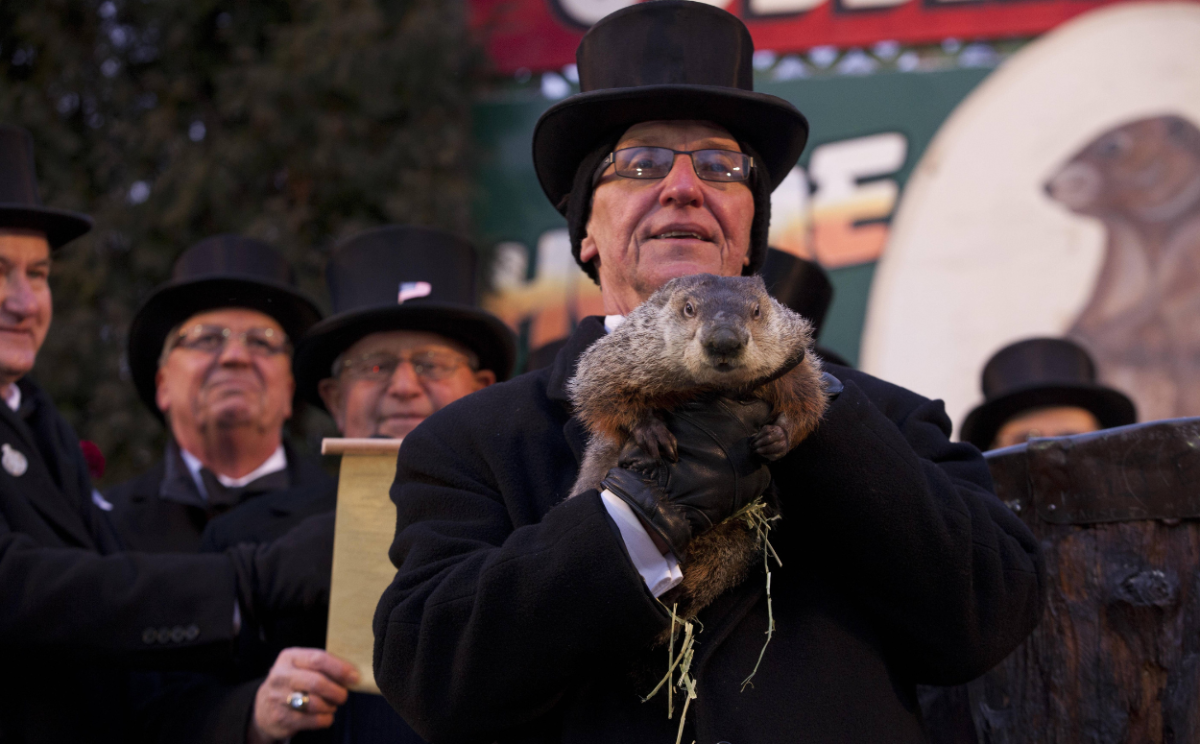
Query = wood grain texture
x=1114 y=658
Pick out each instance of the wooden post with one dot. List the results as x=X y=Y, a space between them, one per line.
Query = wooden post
x=1116 y=656
x=366 y=525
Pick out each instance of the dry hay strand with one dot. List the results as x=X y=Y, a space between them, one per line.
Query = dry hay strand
x=755 y=519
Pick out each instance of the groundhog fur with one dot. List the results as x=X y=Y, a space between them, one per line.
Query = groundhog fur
x=698 y=336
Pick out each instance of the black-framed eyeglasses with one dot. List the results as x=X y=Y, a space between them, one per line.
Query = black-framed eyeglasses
x=211 y=339
x=379 y=366
x=649 y=163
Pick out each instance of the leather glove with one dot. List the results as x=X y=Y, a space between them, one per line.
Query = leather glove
x=717 y=472
x=288 y=575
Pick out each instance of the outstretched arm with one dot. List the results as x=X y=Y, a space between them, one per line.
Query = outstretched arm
x=138 y=606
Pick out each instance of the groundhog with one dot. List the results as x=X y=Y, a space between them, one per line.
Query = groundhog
x=698 y=336
x=1142 y=181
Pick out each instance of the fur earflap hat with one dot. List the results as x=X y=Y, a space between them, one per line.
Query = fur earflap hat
x=664 y=60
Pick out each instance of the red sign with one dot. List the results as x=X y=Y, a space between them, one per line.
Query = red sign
x=542 y=34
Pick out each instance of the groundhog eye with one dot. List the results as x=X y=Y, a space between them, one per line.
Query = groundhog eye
x=757 y=312
x=1113 y=146
x=689 y=310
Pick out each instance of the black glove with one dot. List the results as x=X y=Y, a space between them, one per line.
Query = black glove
x=717 y=473
x=287 y=576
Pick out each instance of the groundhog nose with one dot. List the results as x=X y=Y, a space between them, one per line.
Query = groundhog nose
x=723 y=342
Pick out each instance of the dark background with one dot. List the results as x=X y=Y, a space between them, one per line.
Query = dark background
x=294 y=121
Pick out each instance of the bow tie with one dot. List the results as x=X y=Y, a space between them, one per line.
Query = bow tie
x=222 y=497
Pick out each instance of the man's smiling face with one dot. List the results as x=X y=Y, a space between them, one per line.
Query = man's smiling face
x=25 y=304
x=643 y=233
x=392 y=403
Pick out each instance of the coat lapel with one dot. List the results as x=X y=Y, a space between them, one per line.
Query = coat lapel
x=36 y=483
x=18 y=429
x=586 y=333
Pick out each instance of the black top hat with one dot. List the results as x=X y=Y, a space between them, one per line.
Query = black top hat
x=20 y=205
x=664 y=60
x=401 y=278
x=221 y=271
x=803 y=286
x=1036 y=373
x=800 y=284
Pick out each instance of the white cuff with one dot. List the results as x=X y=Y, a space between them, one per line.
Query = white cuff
x=660 y=572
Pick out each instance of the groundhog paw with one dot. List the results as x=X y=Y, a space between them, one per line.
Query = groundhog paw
x=655 y=439
x=771 y=442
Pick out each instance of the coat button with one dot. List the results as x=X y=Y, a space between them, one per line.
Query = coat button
x=178 y=634
x=149 y=636
x=192 y=632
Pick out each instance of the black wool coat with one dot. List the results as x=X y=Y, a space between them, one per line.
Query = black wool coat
x=517 y=616
x=215 y=709
x=73 y=609
x=147 y=521
x=198 y=708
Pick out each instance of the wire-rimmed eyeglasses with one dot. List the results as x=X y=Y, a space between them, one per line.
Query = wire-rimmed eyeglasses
x=380 y=366
x=649 y=163
x=211 y=339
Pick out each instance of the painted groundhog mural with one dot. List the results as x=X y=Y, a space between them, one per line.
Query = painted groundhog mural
x=1142 y=321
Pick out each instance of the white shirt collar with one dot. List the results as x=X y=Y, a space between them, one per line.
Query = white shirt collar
x=12 y=396
x=612 y=322
x=273 y=464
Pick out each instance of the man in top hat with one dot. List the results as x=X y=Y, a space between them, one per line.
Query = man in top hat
x=70 y=600
x=406 y=339
x=210 y=353
x=803 y=286
x=1042 y=387
x=517 y=614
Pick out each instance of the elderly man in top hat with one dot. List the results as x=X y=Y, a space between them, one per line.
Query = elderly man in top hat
x=211 y=353
x=71 y=600
x=406 y=339
x=398 y=351
x=520 y=616
x=1042 y=387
